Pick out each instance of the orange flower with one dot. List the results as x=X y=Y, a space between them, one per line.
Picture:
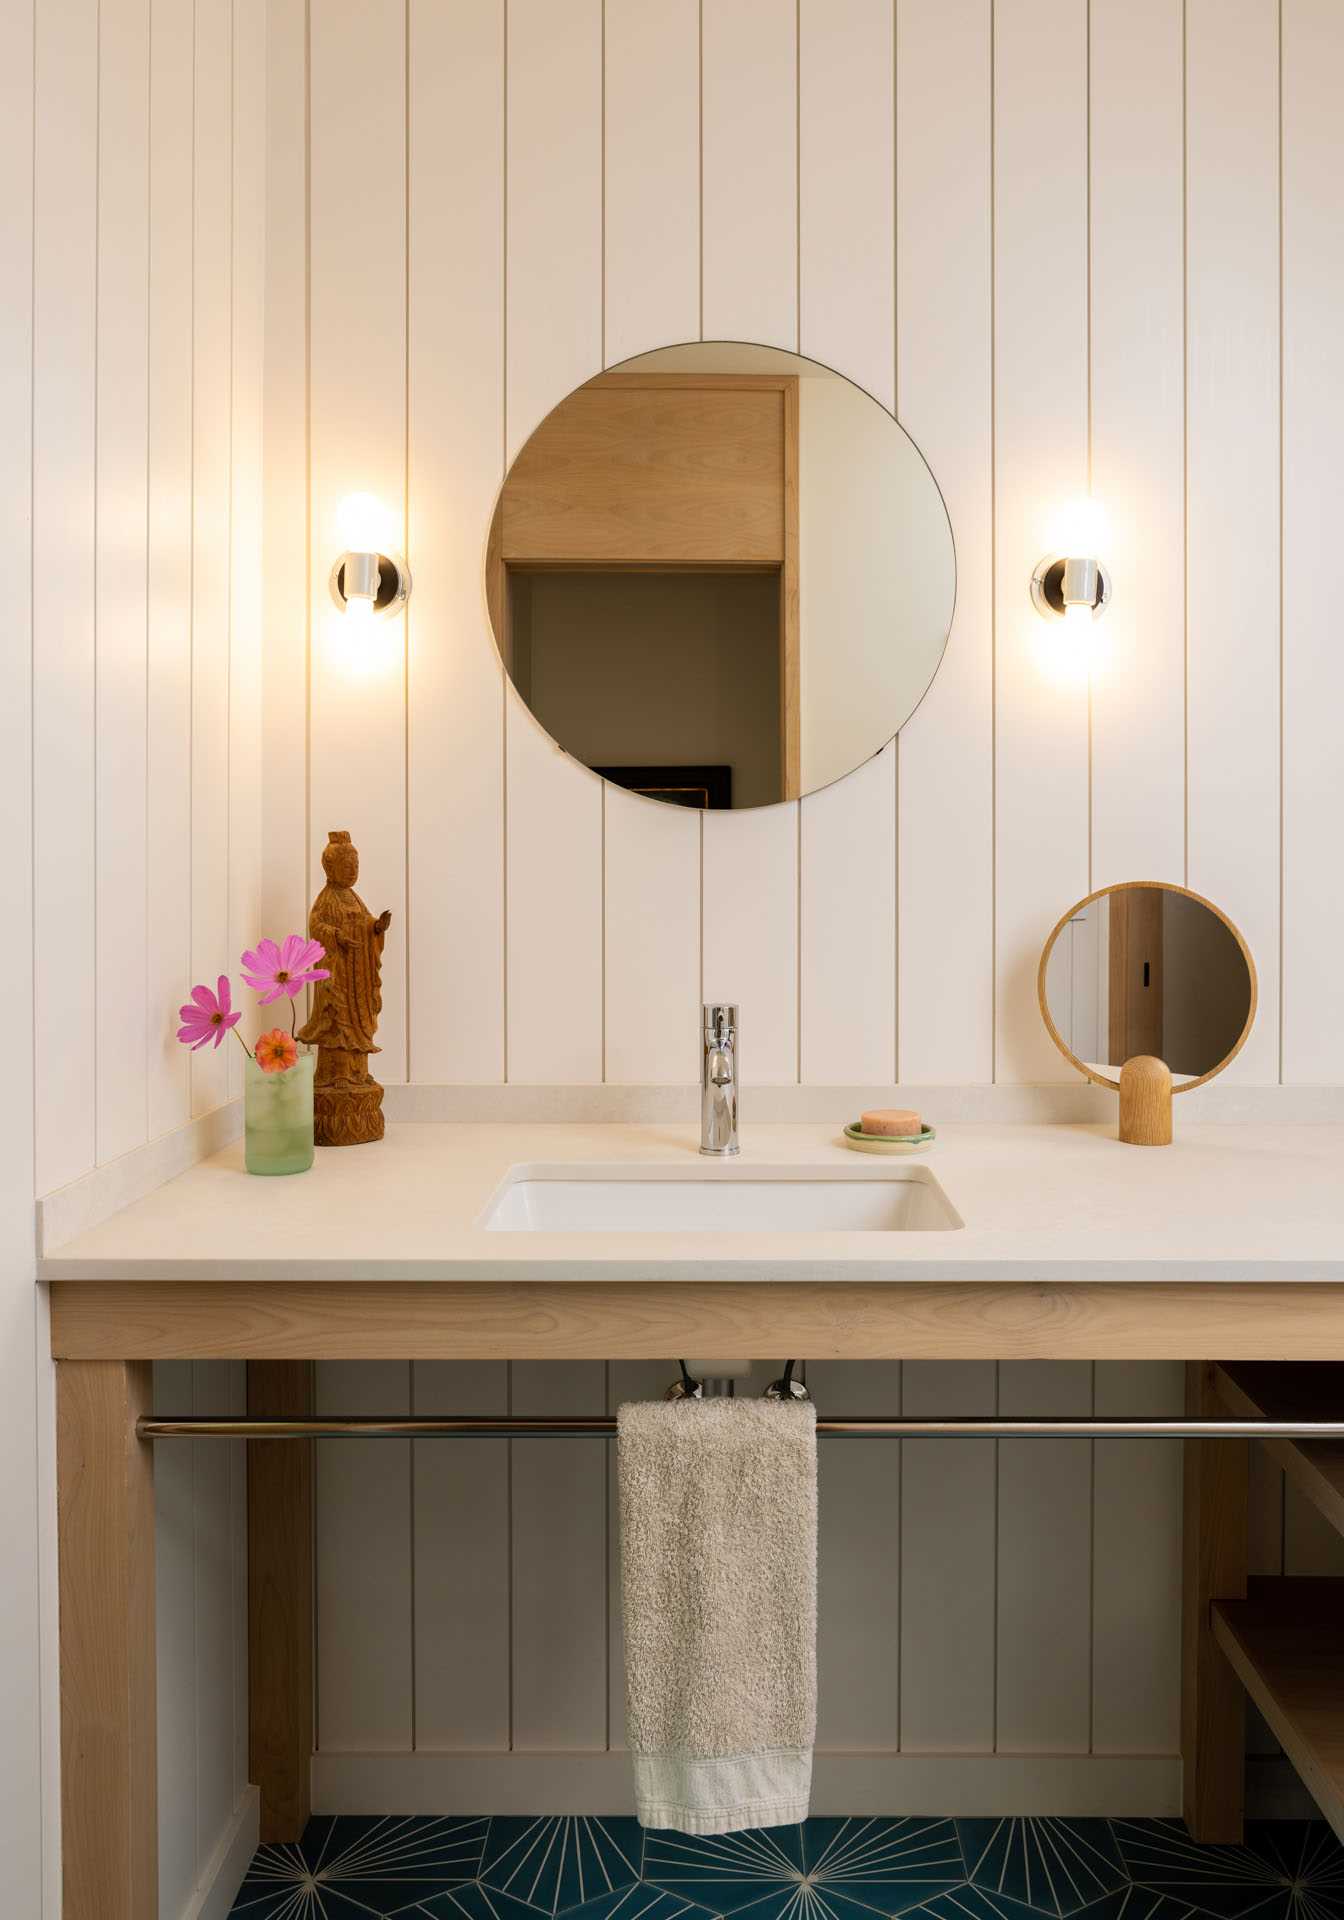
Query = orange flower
x=276 y=1051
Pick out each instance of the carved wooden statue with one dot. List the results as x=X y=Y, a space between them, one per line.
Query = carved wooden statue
x=347 y=1100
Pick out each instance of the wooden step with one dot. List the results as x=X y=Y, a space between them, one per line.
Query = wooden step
x=1285 y=1641
x=1287 y=1390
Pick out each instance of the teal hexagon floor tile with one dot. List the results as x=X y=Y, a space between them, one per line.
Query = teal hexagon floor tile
x=1284 y=1870
x=347 y=1868
x=473 y=1902
x=966 y=1902
x=556 y=1863
x=761 y=1869
x=641 y=1902
x=1055 y=1867
x=882 y=1866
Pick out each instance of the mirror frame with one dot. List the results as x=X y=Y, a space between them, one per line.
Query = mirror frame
x=1162 y=886
x=624 y=367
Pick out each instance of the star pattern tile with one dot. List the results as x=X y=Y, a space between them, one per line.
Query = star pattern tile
x=920 y=1868
x=1053 y=1866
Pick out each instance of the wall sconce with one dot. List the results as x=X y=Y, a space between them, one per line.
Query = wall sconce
x=1069 y=589
x=365 y=584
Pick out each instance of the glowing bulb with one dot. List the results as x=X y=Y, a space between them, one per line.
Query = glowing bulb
x=1078 y=626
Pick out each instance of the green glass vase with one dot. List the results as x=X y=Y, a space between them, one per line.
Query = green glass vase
x=278 y=1117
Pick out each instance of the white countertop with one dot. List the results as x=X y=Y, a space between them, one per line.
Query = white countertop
x=1224 y=1203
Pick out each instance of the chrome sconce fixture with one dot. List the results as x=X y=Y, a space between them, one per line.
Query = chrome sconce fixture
x=1067 y=588
x=364 y=584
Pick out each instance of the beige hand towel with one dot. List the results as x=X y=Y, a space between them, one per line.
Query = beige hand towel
x=719 y=1572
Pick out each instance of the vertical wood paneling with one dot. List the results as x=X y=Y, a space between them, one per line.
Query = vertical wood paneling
x=560 y=1583
x=749 y=144
x=26 y=1518
x=1232 y=378
x=945 y=400
x=1136 y=1567
x=554 y=335
x=64 y=253
x=1313 y=507
x=846 y=190
x=284 y=715
x=948 y=1553
x=211 y=546
x=554 y=213
x=554 y=881
x=120 y=561
x=603 y=258
x=859 y=1554
x=652 y=930
x=365 y=1662
x=1040 y=468
x=651 y=263
x=245 y=508
x=750 y=934
x=1138 y=423
x=847 y=945
x=462 y=1556
x=357 y=366
x=455 y=741
x=846 y=283
x=651 y=296
x=1044 y=1621
x=168 y=686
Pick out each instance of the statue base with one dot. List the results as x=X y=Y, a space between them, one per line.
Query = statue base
x=346 y=1115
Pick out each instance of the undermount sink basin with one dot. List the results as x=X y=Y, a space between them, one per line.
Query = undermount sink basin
x=563 y=1200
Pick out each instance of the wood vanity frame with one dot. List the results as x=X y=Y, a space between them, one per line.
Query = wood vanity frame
x=105 y=1334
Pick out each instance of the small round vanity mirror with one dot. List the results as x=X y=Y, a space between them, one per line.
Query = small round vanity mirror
x=720 y=575
x=1148 y=989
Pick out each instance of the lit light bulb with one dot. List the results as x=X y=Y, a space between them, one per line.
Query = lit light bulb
x=1078 y=626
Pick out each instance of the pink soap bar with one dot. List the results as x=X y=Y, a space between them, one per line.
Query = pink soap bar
x=892 y=1120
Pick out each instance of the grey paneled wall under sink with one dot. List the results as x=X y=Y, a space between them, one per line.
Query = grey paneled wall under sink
x=979 y=1603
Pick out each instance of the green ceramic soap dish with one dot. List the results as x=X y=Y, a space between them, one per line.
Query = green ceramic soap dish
x=887 y=1142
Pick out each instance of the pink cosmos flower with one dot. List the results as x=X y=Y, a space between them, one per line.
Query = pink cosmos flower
x=276 y=1051
x=275 y=971
x=207 y=1014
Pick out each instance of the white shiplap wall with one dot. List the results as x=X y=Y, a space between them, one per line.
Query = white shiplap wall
x=536 y=191
x=1071 y=244
x=134 y=145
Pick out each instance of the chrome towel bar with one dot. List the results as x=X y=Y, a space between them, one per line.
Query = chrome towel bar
x=509 y=1426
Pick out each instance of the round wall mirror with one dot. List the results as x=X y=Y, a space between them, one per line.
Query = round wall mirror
x=720 y=575
x=1147 y=980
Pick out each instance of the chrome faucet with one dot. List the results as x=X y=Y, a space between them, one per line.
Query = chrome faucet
x=718 y=1081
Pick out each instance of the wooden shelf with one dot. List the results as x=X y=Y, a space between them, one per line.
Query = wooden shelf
x=1285 y=1641
x=1303 y=1390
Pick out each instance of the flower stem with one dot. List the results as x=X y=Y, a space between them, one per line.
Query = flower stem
x=243 y=1044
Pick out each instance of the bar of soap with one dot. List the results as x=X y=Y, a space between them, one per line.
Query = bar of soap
x=892 y=1120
